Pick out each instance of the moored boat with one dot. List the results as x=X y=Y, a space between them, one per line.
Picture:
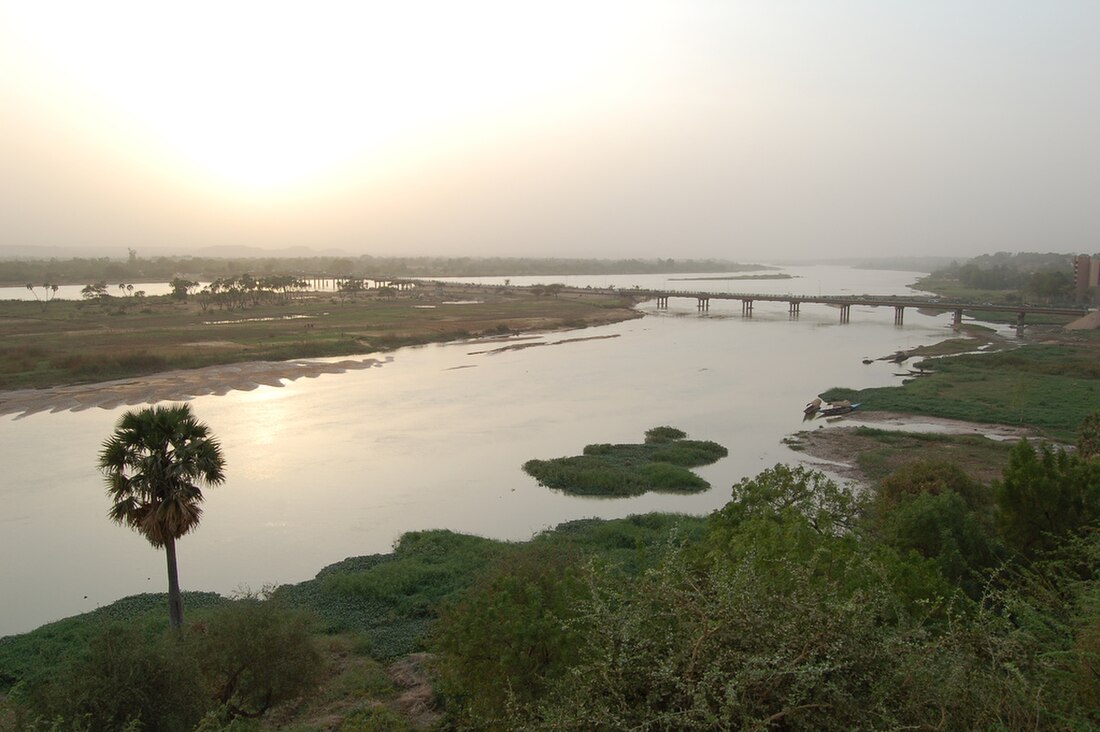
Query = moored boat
x=837 y=408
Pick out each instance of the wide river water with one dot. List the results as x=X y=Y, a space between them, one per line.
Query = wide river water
x=343 y=464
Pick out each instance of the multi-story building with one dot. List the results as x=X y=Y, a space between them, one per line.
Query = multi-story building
x=1086 y=277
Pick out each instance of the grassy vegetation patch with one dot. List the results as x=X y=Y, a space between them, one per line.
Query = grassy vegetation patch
x=78 y=342
x=1047 y=387
x=885 y=451
x=659 y=464
x=386 y=602
x=51 y=644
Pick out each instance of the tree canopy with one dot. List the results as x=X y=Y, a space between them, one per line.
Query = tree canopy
x=156 y=463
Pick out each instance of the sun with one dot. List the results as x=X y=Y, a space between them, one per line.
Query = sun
x=265 y=96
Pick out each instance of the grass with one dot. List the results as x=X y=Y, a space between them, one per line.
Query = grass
x=1049 y=387
x=976 y=336
x=379 y=607
x=884 y=451
x=659 y=464
x=79 y=342
x=52 y=643
x=877 y=452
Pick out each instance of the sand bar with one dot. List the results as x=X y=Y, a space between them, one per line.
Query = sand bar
x=173 y=385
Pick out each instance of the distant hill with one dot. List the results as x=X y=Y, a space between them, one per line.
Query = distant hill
x=234 y=251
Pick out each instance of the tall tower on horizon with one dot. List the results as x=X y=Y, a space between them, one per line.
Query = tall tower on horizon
x=1086 y=276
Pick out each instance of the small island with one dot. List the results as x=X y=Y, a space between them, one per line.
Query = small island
x=771 y=276
x=659 y=464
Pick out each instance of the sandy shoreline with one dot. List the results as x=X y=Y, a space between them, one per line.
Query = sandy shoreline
x=897 y=420
x=174 y=385
x=183 y=384
x=830 y=449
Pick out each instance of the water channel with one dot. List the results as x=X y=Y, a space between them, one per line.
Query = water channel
x=343 y=464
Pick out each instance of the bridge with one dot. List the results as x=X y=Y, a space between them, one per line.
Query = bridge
x=845 y=303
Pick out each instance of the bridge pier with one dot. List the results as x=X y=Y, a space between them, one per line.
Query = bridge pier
x=794 y=302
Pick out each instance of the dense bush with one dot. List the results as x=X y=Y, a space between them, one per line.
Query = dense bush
x=255 y=654
x=664 y=434
x=234 y=661
x=512 y=634
x=1046 y=494
x=125 y=676
x=800 y=606
x=925 y=477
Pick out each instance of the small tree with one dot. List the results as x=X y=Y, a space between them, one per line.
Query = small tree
x=49 y=293
x=1088 y=436
x=94 y=291
x=1045 y=494
x=182 y=287
x=155 y=464
x=256 y=654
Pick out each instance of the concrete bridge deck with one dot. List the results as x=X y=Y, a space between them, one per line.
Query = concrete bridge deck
x=845 y=303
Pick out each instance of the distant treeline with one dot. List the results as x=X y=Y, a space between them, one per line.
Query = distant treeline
x=160 y=269
x=898 y=263
x=1046 y=275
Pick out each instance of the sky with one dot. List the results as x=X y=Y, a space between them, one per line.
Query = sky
x=749 y=131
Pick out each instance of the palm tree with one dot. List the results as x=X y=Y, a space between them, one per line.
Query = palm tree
x=155 y=464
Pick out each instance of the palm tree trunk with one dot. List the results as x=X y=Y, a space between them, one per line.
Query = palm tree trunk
x=175 y=599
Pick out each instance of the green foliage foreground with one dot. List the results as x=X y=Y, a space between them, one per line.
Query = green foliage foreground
x=804 y=606
x=930 y=602
x=240 y=659
x=659 y=464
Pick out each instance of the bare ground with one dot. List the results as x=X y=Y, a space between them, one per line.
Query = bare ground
x=838 y=448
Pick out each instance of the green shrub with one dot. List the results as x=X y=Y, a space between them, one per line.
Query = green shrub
x=927 y=477
x=664 y=434
x=376 y=718
x=671 y=478
x=1045 y=495
x=232 y=661
x=125 y=676
x=255 y=654
x=511 y=633
x=690 y=454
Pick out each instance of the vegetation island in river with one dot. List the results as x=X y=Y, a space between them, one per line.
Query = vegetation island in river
x=659 y=464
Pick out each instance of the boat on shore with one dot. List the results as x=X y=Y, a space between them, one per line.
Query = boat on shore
x=812 y=407
x=837 y=408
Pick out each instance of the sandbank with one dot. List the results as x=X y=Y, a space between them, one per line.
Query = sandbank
x=174 y=385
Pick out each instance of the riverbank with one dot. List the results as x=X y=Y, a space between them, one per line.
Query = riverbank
x=65 y=343
x=969 y=402
x=867 y=449
x=184 y=384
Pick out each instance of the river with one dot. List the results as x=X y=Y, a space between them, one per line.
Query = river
x=342 y=465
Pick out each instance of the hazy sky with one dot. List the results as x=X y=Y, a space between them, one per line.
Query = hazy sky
x=744 y=130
